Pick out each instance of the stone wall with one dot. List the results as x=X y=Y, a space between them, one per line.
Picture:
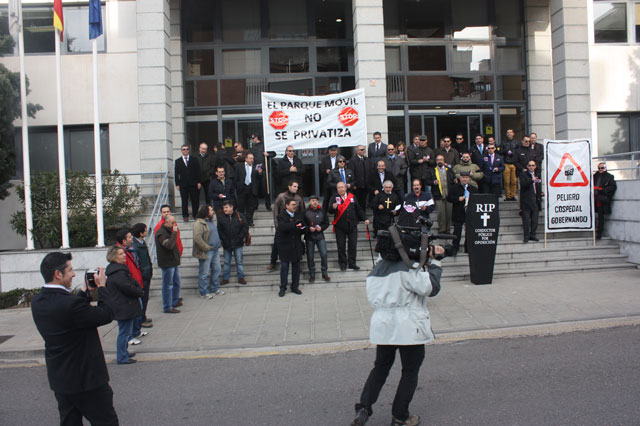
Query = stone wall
x=623 y=224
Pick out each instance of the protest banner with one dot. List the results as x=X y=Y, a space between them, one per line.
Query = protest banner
x=313 y=121
x=569 y=189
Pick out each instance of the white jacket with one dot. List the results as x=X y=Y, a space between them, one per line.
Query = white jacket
x=398 y=297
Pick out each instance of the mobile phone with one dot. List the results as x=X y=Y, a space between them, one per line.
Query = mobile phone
x=90 y=278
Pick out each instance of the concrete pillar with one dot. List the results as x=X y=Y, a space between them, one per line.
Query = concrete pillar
x=177 y=85
x=570 y=47
x=539 y=68
x=154 y=85
x=370 y=73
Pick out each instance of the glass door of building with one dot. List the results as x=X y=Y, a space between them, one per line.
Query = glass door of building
x=436 y=124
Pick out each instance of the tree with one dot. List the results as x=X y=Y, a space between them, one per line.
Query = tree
x=9 y=111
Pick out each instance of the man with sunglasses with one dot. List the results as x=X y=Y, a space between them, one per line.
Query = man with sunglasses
x=187 y=177
x=492 y=166
x=360 y=166
x=290 y=168
x=339 y=174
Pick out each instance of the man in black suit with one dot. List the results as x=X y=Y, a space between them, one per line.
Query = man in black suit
x=459 y=198
x=290 y=167
x=377 y=149
x=478 y=151
x=327 y=165
x=345 y=224
x=205 y=162
x=262 y=159
x=68 y=324
x=248 y=179
x=604 y=187
x=187 y=176
x=339 y=174
x=377 y=178
x=360 y=166
x=221 y=189
x=530 y=200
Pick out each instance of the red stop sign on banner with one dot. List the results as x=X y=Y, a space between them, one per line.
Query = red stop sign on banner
x=348 y=116
x=278 y=120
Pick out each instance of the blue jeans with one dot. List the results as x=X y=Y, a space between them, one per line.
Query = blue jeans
x=322 y=248
x=125 y=330
x=170 y=287
x=237 y=254
x=209 y=272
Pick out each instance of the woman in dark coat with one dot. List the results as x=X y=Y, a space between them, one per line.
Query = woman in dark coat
x=290 y=248
x=125 y=295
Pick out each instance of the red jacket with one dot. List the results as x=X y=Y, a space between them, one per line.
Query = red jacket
x=132 y=265
x=178 y=241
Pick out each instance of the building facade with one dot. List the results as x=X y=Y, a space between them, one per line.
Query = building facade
x=187 y=71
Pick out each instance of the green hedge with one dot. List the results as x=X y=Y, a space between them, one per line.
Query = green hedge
x=12 y=298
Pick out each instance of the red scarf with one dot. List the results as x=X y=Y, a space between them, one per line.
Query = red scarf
x=178 y=240
x=342 y=207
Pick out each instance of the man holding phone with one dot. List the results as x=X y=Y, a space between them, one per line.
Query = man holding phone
x=68 y=324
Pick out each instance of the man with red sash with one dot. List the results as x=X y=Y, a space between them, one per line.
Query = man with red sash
x=345 y=224
x=165 y=211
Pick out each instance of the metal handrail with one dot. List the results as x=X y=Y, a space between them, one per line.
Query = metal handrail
x=634 y=158
x=163 y=196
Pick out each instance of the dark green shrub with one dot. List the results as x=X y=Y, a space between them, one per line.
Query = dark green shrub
x=20 y=296
x=121 y=202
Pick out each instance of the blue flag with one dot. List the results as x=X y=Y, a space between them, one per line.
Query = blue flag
x=95 y=19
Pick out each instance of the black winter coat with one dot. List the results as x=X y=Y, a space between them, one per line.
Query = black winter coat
x=458 y=212
x=290 y=247
x=382 y=219
x=146 y=267
x=530 y=199
x=360 y=168
x=608 y=186
x=216 y=187
x=232 y=233
x=313 y=217
x=125 y=292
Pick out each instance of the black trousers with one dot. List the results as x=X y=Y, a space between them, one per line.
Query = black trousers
x=411 y=357
x=361 y=197
x=347 y=255
x=145 y=297
x=247 y=204
x=599 y=221
x=274 y=249
x=529 y=222
x=193 y=193
x=457 y=231
x=284 y=274
x=264 y=193
x=205 y=188
x=95 y=405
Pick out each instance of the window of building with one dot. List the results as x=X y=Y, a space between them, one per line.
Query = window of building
x=333 y=19
x=289 y=60
x=613 y=134
x=424 y=19
x=470 y=19
x=287 y=19
x=392 y=59
x=39 y=34
x=200 y=14
x=427 y=58
x=637 y=21
x=508 y=17
x=610 y=22
x=509 y=59
x=241 y=20
x=471 y=57
x=78 y=148
x=200 y=62
x=334 y=59
x=241 y=61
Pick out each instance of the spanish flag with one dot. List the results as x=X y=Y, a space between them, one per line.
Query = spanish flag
x=58 y=18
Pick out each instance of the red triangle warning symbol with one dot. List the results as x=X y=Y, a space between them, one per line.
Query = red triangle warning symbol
x=566 y=176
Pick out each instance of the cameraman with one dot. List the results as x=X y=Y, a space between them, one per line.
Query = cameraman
x=400 y=321
x=68 y=324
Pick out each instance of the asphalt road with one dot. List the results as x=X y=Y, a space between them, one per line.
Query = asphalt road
x=586 y=378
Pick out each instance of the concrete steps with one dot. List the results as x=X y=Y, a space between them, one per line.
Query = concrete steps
x=565 y=252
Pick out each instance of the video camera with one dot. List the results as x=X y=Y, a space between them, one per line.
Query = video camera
x=412 y=238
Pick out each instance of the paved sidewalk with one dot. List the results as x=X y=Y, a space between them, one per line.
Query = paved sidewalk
x=326 y=313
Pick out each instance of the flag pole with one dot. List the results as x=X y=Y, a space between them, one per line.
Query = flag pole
x=26 y=163
x=96 y=148
x=61 y=161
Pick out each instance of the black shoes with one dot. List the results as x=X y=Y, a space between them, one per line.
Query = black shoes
x=361 y=418
x=281 y=293
x=354 y=267
x=296 y=291
x=129 y=361
x=343 y=268
x=534 y=239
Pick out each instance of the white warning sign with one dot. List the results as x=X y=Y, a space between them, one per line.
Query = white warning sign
x=569 y=201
